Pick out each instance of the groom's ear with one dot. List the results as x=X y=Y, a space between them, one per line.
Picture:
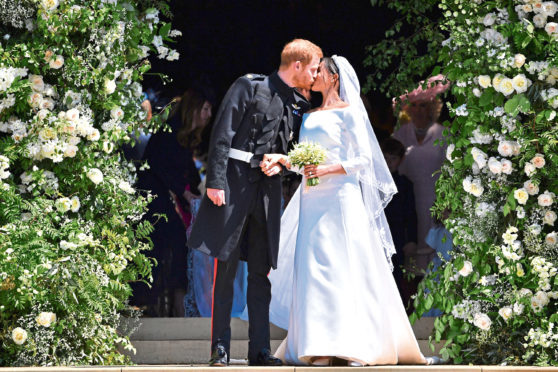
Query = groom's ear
x=298 y=65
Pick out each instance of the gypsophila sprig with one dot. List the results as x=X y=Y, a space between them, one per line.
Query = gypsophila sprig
x=307 y=153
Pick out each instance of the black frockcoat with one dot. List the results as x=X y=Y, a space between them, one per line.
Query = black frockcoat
x=261 y=115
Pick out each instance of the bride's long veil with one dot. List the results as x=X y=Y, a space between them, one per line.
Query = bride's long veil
x=377 y=188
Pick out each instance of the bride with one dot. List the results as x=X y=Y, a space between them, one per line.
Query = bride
x=339 y=299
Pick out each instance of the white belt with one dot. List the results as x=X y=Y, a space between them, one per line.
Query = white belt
x=240 y=155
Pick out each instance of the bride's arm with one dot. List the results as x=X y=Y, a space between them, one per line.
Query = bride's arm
x=359 y=152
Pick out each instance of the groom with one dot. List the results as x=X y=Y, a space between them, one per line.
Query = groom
x=240 y=214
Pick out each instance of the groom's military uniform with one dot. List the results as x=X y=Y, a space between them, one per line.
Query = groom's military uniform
x=259 y=115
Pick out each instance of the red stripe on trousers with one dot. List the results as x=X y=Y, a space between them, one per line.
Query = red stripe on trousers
x=213 y=295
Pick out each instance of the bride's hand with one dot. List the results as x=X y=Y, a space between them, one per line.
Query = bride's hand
x=313 y=171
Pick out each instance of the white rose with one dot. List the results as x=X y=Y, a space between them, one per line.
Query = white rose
x=467 y=269
x=110 y=86
x=49 y=4
x=95 y=175
x=518 y=60
x=35 y=99
x=531 y=187
x=72 y=115
x=506 y=86
x=116 y=113
x=482 y=321
x=476 y=188
x=550 y=218
x=551 y=238
x=546 y=199
x=494 y=165
x=477 y=92
x=45 y=319
x=70 y=151
x=467 y=184
x=125 y=186
x=529 y=169
x=549 y=8
x=539 y=20
x=551 y=28
x=37 y=83
x=489 y=19
x=63 y=204
x=507 y=167
x=538 y=161
x=518 y=308
x=535 y=229
x=19 y=335
x=449 y=151
x=521 y=196
x=75 y=204
x=57 y=62
x=496 y=80
x=479 y=157
x=506 y=312
x=520 y=83
x=93 y=134
x=485 y=81
x=505 y=148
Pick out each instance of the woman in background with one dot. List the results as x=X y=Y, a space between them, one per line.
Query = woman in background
x=172 y=170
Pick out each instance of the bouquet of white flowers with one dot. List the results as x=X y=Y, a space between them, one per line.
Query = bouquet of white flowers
x=307 y=153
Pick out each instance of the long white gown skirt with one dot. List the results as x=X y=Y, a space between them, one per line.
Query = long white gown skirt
x=345 y=302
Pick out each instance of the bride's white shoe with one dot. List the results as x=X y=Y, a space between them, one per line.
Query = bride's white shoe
x=352 y=363
x=321 y=362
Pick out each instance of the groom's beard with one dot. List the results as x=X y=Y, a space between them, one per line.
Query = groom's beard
x=302 y=81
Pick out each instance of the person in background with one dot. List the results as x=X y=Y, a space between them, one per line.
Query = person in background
x=423 y=157
x=170 y=155
x=401 y=214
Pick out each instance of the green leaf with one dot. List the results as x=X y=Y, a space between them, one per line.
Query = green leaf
x=486 y=97
x=165 y=29
x=511 y=106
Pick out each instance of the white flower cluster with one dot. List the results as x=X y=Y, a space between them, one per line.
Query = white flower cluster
x=540 y=299
x=473 y=186
x=466 y=309
x=46 y=180
x=541 y=338
x=540 y=12
x=512 y=248
x=65 y=204
x=8 y=75
x=545 y=270
x=505 y=85
x=46 y=318
x=4 y=165
x=481 y=138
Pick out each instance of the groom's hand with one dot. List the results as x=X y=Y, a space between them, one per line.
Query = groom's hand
x=216 y=196
x=271 y=164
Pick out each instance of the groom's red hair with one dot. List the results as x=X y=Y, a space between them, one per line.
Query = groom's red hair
x=299 y=50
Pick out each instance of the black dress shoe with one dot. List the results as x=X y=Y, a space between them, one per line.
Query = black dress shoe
x=219 y=357
x=265 y=358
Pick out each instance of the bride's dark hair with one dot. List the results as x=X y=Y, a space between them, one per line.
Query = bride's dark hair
x=329 y=63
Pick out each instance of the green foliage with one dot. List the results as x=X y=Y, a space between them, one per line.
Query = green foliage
x=71 y=235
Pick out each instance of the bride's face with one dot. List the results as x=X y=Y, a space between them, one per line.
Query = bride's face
x=325 y=80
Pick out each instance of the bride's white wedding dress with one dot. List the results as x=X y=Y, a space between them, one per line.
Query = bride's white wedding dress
x=339 y=296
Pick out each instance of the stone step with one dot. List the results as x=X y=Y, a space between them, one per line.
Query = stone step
x=198 y=351
x=169 y=329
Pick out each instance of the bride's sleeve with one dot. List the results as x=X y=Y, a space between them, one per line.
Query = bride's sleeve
x=359 y=154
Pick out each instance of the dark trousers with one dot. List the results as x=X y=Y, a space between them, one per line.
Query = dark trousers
x=259 y=287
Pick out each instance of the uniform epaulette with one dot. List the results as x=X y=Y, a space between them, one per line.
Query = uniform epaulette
x=255 y=76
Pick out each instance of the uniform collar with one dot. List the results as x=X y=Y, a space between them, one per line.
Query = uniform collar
x=291 y=94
